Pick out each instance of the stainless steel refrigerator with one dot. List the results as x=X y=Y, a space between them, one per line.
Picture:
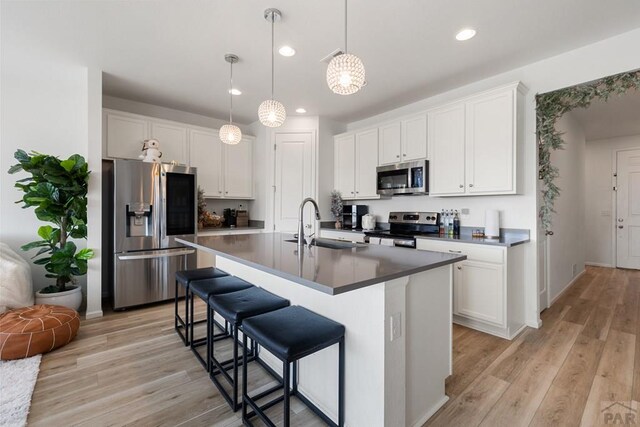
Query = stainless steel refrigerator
x=150 y=204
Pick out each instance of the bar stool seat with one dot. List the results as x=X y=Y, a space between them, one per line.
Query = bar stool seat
x=290 y=334
x=235 y=307
x=293 y=333
x=184 y=278
x=204 y=288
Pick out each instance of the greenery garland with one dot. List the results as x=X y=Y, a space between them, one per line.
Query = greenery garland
x=553 y=105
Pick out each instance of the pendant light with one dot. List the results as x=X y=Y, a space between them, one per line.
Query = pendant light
x=230 y=134
x=345 y=74
x=271 y=112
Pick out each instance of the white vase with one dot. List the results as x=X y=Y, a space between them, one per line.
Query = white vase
x=72 y=298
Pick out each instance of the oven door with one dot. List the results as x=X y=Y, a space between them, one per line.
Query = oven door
x=403 y=178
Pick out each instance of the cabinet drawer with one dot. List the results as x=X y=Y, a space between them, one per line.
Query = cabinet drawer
x=342 y=235
x=472 y=251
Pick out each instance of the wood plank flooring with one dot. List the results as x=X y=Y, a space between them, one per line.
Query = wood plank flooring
x=129 y=368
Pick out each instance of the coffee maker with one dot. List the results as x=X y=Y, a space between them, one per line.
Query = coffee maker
x=352 y=216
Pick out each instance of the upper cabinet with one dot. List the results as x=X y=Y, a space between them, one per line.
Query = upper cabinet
x=224 y=171
x=124 y=135
x=474 y=144
x=403 y=141
x=355 y=162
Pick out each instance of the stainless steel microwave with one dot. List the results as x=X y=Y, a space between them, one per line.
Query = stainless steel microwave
x=403 y=178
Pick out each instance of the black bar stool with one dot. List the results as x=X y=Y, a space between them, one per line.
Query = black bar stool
x=184 y=278
x=234 y=308
x=204 y=289
x=290 y=334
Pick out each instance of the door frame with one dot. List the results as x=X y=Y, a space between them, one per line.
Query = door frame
x=271 y=206
x=614 y=203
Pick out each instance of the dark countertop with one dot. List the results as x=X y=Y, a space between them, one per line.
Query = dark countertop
x=332 y=271
x=508 y=236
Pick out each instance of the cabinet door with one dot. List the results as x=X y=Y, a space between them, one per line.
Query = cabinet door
x=366 y=164
x=238 y=170
x=389 y=144
x=490 y=147
x=205 y=153
x=125 y=136
x=478 y=291
x=414 y=138
x=173 y=141
x=446 y=151
x=344 y=164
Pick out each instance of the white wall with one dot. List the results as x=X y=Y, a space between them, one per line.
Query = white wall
x=600 y=212
x=567 y=245
x=44 y=108
x=607 y=57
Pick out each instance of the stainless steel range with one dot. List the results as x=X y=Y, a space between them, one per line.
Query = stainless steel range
x=403 y=227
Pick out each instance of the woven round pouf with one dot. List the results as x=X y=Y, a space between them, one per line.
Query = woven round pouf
x=25 y=332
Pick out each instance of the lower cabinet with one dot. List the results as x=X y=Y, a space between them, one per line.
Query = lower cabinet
x=346 y=236
x=488 y=287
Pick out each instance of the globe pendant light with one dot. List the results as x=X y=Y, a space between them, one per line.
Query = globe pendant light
x=271 y=112
x=230 y=134
x=345 y=74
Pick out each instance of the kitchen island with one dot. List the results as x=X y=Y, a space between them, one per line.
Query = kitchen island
x=394 y=302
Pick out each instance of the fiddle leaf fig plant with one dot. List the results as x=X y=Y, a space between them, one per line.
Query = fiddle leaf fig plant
x=57 y=189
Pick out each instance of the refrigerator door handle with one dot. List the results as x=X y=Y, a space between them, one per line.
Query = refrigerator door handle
x=156 y=255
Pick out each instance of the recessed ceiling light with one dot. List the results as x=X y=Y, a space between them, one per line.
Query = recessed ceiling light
x=465 y=34
x=287 y=51
x=235 y=91
x=301 y=110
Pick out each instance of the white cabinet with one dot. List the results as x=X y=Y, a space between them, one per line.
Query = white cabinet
x=446 y=150
x=355 y=162
x=205 y=153
x=172 y=139
x=414 y=138
x=224 y=171
x=390 y=143
x=238 y=169
x=403 y=141
x=473 y=144
x=345 y=236
x=488 y=287
x=124 y=135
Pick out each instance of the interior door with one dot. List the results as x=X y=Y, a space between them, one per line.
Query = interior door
x=628 y=209
x=293 y=180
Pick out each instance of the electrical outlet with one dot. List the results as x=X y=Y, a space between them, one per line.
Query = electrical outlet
x=395 y=326
x=464 y=211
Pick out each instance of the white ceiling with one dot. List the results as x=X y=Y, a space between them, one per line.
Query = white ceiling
x=171 y=52
x=619 y=116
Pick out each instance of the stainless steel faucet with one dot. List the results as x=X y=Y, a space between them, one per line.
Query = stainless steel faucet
x=301 y=241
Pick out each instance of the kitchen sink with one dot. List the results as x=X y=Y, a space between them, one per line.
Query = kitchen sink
x=329 y=244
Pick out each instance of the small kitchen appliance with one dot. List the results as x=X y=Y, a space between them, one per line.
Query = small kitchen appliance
x=352 y=216
x=404 y=227
x=368 y=222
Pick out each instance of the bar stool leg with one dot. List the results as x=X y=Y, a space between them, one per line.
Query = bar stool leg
x=341 y=383
x=190 y=303
x=244 y=377
x=287 y=396
x=186 y=315
x=235 y=367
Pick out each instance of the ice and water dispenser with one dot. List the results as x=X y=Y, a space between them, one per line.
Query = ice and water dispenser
x=139 y=220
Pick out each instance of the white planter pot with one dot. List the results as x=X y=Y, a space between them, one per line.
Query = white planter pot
x=71 y=298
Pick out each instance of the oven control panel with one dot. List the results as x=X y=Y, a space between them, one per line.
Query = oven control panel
x=426 y=218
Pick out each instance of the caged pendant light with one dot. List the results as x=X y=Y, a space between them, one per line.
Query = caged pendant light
x=345 y=74
x=271 y=112
x=230 y=134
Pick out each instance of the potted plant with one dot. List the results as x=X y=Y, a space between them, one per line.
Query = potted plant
x=57 y=189
x=336 y=208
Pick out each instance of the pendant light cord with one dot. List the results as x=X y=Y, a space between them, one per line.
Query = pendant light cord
x=231 y=92
x=273 y=19
x=345 y=26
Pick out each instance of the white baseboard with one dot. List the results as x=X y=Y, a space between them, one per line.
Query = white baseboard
x=93 y=314
x=598 y=264
x=431 y=411
x=566 y=288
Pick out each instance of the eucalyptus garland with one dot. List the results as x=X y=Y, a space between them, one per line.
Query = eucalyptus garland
x=553 y=105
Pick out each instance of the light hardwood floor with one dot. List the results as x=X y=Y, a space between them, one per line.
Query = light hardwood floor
x=129 y=368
